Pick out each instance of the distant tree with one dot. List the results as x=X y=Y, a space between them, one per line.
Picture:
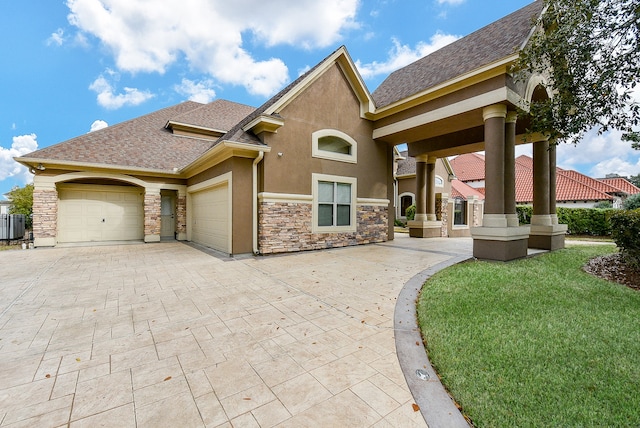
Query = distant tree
x=632 y=202
x=635 y=180
x=590 y=51
x=22 y=202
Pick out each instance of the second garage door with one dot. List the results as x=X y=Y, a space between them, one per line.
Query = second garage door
x=89 y=213
x=210 y=218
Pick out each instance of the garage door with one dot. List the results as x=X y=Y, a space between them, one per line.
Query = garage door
x=210 y=218
x=89 y=213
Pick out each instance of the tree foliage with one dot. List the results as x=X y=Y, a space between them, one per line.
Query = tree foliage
x=22 y=202
x=588 y=50
x=632 y=202
x=635 y=180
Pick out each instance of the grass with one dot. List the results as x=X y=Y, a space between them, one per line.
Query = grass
x=535 y=342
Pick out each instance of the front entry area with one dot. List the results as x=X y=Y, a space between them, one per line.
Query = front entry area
x=167 y=214
x=94 y=213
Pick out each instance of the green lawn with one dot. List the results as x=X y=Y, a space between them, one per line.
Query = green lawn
x=535 y=342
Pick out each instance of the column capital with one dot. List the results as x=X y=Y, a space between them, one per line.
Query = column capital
x=512 y=117
x=496 y=110
x=424 y=158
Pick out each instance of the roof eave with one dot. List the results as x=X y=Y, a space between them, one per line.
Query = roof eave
x=220 y=152
x=42 y=164
x=462 y=81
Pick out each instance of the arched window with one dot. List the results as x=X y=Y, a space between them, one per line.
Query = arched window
x=335 y=145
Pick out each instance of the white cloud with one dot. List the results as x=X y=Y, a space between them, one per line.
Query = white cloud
x=200 y=92
x=97 y=125
x=22 y=144
x=56 y=38
x=451 y=2
x=401 y=55
x=110 y=100
x=150 y=36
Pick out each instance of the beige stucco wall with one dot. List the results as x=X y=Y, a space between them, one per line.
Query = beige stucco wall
x=242 y=193
x=329 y=103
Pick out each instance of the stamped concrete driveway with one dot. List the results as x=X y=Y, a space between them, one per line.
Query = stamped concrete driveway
x=152 y=335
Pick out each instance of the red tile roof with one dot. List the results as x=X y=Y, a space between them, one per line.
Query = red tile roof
x=622 y=184
x=462 y=190
x=468 y=167
x=570 y=185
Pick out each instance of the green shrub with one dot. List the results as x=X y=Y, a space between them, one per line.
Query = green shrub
x=603 y=204
x=579 y=221
x=585 y=221
x=411 y=212
x=524 y=213
x=625 y=226
x=632 y=202
x=399 y=223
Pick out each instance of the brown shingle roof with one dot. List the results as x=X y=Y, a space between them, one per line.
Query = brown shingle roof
x=406 y=166
x=144 y=142
x=485 y=46
x=221 y=115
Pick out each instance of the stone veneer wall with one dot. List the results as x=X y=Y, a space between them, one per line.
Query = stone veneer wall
x=477 y=214
x=286 y=227
x=152 y=212
x=444 y=216
x=181 y=215
x=45 y=213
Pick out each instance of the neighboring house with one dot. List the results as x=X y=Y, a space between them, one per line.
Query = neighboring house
x=573 y=189
x=313 y=167
x=4 y=206
x=458 y=206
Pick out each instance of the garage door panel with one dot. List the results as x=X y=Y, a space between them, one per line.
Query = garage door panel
x=100 y=213
x=210 y=218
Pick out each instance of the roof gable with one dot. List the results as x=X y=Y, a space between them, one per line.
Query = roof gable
x=623 y=184
x=497 y=41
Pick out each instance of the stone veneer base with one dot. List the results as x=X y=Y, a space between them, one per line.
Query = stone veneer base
x=286 y=227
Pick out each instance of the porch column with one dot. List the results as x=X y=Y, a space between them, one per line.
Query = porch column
x=510 y=170
x=494 y=143
x=495 y=240
x=552 y=184
x=181 y=215
x=545 y=234
x=425 y=224
x=541 y=184
x=45 y=212
x=421 y=188
x=431 y=188
x=152 y=213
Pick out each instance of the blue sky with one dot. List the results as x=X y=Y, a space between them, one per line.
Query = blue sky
x=76 y=65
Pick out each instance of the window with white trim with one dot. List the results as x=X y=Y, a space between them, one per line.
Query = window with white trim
x=459 y=212
x=334 y=203
x=334 y=145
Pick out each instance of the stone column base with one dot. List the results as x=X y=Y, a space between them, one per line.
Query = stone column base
x=425 y=229
x=547 y=237
x=500 y=243
x=44 y=242
x=151 y=238
x=181 y=236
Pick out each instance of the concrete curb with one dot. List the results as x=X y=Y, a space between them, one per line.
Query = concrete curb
x=436 y=406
